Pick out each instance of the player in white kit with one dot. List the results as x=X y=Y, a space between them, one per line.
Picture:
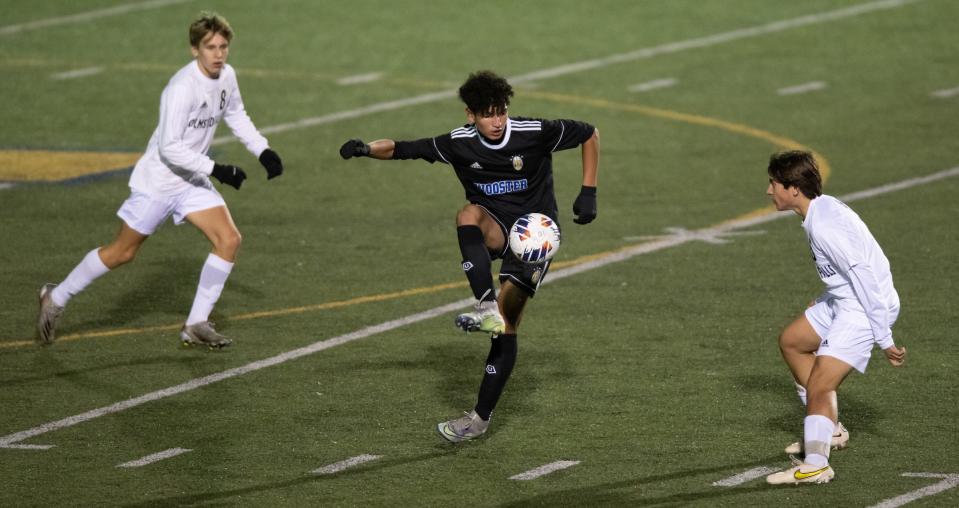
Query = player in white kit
x=173 y=178
x=837 y=332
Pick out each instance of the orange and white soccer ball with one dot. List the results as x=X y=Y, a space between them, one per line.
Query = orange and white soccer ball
x=534 y=238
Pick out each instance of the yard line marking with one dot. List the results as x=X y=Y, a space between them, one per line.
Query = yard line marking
x=713 y=238
x=949 y=481
x=533 y=474
x=946 y=93
x=712 y=40
x=586 y=65
x=237 y=371
x=653 y=85
x=589 y=264
x=359 y=78
x=27 y=447
x=79 y=73
x=155 y=457
x=812 y=86
x=86 y=16
x=746 y=476
x=346 y=464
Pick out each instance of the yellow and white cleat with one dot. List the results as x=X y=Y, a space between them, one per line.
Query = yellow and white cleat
x=802 y=473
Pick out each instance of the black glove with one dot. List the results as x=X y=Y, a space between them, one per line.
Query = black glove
x=354 y=148
x=585 y=205
x=271 y=161
x=229 y=174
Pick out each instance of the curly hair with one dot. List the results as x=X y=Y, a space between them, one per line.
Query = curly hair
x=486 y=91
x=796 y=168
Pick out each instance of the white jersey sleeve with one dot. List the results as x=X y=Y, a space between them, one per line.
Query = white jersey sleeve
x=240 y=123
x=866 y=286
x=852 y=264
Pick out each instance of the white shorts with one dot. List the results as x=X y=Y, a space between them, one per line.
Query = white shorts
x=844 y=331
x=144 y=213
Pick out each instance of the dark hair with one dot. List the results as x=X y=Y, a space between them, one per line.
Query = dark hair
x=485 y=91
x=796 y=168
x=206 y=23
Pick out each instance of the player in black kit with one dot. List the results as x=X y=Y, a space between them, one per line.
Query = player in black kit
x=506 y=168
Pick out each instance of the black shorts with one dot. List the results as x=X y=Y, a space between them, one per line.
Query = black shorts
x=526 y=276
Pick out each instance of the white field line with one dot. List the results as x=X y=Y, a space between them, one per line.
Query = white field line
x=949 y=481
x=533 y=474
x=746 y=476
x=812 y=86
x=621 y=255
x=587 y=65
x=78 y=73
x=155 y=457
x=653 y=85
x=27 y=447
x=86 y=16
x=946 y=93
x=359 y=78
x=345 y=464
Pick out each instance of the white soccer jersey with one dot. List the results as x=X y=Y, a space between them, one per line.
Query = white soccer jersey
x=191 y=106
x=851 y=264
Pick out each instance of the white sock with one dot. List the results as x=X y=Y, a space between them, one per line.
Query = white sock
x=212 y=278
x=89 y=269
x=801 y=390
x=817 y=436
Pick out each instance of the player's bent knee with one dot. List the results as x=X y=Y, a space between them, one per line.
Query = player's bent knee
x=469 y=215
x=230 y=243
x=113 y=257
x=119 y=259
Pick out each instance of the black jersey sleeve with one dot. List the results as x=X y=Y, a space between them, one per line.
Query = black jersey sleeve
x=565 y=134
x=426 y=149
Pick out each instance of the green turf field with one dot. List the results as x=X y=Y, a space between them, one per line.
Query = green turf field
x=658 y=374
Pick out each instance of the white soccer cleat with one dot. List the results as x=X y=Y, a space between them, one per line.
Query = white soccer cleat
x=802 y=473
x=839 y=441
x=49 y=316
x=203 y=334
x=468 y=426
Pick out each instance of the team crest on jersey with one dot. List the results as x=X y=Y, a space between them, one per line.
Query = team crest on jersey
x=517 y=162
x=536 y=275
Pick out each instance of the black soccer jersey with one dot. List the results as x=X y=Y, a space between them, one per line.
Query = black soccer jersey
x=512 y=176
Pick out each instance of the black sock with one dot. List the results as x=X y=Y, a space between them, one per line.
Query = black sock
x=499 y=365
x=476 y=262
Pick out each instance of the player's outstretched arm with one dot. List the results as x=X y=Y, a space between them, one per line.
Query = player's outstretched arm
x=585 y=205
x=380 y=149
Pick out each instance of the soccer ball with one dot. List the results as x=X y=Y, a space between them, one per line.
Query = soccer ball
x=534 y=238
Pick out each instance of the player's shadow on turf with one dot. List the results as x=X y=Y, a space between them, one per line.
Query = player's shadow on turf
x=629 y=492
x=226 y=495
x=853 y=412
x=458 y=370
x=161 y=287
x=49 y=365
